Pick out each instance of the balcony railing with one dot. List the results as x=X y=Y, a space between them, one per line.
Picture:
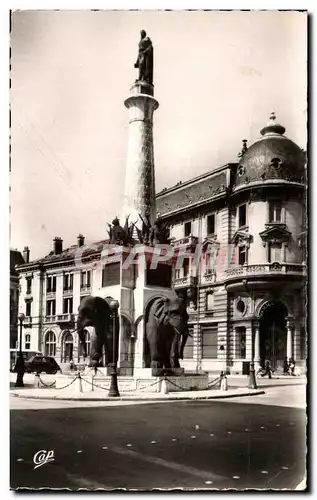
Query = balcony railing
x=85 y=288
x=185 y=282
x=50 y=319
x=266 y=269
x=187 y=241
x=65 y=318
x=27 y=321
x=60 y=318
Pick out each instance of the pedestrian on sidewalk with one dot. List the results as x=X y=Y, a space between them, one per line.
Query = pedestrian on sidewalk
x=292 y=367
x=71 y=365
x=286 y=367
x=267 y=369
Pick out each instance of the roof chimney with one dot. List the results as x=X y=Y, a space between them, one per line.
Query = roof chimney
x=26 y=254
x=57 y=245
x=80 y=240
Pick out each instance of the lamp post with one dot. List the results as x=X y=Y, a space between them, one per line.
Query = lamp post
x=114 y=391
x=20 y=367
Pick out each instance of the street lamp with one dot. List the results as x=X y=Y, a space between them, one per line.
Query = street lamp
x=20 y=367
x=252 y=379
x=114 y=391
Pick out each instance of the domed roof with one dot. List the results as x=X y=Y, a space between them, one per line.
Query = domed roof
x=273 y=156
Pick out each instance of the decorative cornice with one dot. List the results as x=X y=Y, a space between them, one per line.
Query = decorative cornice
x=275 y=233
x=242 y=238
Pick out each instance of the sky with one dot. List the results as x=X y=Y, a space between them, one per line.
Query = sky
x=217 y=76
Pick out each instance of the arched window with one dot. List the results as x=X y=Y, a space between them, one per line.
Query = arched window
x=27 y=341
x=67 y=347
x=87 y=342
x=50 y=344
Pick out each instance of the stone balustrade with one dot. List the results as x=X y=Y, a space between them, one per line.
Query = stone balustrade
x=187 y=241
x=185 y=282
x=263 y=269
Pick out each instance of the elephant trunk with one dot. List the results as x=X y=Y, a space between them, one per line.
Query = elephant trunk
x=184 y=337
x=82 y=336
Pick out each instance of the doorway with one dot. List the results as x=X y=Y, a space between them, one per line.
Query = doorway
x=273 y=336
x=68 y=345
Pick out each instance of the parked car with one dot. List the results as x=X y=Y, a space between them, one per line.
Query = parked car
x=40 y=364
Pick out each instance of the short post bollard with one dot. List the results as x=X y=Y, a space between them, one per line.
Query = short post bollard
x=164 y=386
x=80 y=383
x=92 y=383
x=223 y=382
x=252 y=379
x=37 y=380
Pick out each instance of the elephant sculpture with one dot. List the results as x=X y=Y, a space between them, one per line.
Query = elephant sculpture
x=96 y=312
x=166 y=333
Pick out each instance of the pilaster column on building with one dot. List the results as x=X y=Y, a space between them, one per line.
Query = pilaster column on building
x=197 y=346
x=289 y=340
x=139 y=345
x=248 y=342
x=297 y=355
x=59 y=294
x=139 y=191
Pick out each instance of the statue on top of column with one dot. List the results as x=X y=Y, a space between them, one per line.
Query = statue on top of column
x=145 y=59
x=153 y=234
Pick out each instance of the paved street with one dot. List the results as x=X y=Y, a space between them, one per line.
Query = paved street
x=200 y=444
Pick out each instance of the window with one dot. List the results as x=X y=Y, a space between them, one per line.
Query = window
x=241 y=342
x=275 y=211
x=189 y=347
x=51 y=284
x=275 y=252
x=161 y=276
x=28 y=285
x=50 y=344
x=209 y=342
x=242 y=215
x=187 y=229
x=242 y=256
x=185 y=268
x=87 y=342
x=68 y=305
x=111 y=274
x=177 y=273
x=28 y=341
x=28 y=304
x=50 y=307
x=68 y=282
x=210 y=301
x=211 y=224
x=85 y=279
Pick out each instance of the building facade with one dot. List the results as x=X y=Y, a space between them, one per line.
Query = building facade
x=251 y=296
x=16 y=259
x=242 y=232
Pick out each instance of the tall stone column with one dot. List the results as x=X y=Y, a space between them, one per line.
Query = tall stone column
x=257 y=356
x=289 y=342
x=139 y=191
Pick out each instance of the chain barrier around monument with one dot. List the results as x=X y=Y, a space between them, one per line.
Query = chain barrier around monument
x=50 y=386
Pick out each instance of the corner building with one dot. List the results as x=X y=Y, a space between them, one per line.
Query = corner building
x=247 y=300
x=251 y=297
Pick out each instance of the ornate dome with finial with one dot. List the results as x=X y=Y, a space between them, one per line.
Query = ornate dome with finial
x=273 y=156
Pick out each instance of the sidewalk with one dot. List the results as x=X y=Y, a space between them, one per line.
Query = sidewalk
x=71 y=395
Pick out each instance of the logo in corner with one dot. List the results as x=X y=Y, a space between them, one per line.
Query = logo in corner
x=42 y=457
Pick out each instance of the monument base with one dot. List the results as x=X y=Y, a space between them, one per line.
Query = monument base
x=143 y=382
